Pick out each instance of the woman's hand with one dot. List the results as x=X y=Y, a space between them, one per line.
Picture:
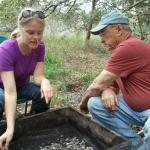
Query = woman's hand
x=5 y=140
x=46 y=90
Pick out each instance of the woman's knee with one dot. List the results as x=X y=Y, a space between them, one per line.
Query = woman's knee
x=35 y=91
x=1 y=103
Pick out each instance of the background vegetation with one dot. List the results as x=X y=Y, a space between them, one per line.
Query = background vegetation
x=71 y=66
x=73 y=56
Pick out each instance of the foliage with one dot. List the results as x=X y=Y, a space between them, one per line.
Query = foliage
x=55 y=72
x=9 y=10
x=70 y=65
x=89 y=75
x=8 y=13
x=75 y=16
x=58 y=100
x=139 y=17
x=54 y=67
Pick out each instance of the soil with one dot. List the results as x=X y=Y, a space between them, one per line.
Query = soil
x=65 y=137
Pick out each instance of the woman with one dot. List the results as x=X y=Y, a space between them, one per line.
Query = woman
x=21 y=57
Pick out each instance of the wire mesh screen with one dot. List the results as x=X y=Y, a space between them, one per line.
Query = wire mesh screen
x=64 y=137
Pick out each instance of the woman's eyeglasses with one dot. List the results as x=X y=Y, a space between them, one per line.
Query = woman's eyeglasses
x=30 y=13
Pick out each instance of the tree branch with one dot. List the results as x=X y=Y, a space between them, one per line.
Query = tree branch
x=72 y=6
x=54 y=6
x=137 y=3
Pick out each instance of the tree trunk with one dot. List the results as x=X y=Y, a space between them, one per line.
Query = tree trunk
x=88 y=34
x=140 y=27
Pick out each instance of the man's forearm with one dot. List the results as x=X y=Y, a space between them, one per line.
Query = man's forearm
x=93 y=90
x=109 y=91
x=116 y=90
x=100 y=83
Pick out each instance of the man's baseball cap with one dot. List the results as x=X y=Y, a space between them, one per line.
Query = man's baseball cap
x=113 y=17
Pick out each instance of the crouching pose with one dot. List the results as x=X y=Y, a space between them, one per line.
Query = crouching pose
x=127 y=70
x=20 y=57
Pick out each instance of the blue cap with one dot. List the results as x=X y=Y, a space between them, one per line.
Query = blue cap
x=113 y=17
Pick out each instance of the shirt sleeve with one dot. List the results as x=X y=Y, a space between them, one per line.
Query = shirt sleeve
x=41 y=53
x=6 y=60
x=124 y=61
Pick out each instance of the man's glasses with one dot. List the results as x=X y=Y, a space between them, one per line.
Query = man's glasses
x=102 y=34
x=105 y=31
x=30 y=13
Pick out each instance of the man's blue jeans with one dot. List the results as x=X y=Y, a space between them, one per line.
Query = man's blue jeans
x=121 y=121
x=27 y=92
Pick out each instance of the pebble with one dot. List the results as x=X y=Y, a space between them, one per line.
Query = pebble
x=68 y=144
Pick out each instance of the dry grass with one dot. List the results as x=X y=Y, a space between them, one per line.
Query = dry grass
x=82 y=64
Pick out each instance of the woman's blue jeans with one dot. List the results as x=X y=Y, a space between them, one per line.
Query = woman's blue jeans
x=121 y=121
x=28 y=92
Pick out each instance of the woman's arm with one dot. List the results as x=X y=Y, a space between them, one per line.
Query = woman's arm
x=39 y=73
x=10 y=97
x=39 y=79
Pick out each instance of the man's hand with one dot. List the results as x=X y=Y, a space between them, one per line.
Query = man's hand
x=46 y=90
x=109 y=99
x=5 y=140
x=99 y=84
x=88 y=93
x=93 y=90
x=83 y=107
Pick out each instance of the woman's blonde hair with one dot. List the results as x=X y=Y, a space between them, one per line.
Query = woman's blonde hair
x=24 y=20
x=15 y=33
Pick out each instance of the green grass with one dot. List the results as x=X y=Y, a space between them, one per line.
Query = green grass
x=89 y=75
x=64 y=41
x=70 y=64
x=102 y=53
x=54 y=67
x=58 y=100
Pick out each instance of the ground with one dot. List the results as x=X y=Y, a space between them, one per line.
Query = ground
x=83 y=64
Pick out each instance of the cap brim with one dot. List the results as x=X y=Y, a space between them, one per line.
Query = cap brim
x=96 y=30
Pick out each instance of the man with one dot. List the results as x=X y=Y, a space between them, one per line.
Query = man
x=127 y=70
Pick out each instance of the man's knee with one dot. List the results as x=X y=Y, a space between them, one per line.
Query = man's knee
x=147 y=130
x=93 y=103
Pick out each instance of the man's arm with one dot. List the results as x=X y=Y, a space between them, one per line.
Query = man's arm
x=100 y=83
x=10 y=97
x=109 y=97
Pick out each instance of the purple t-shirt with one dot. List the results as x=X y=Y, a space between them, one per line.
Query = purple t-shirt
x=11 y=59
